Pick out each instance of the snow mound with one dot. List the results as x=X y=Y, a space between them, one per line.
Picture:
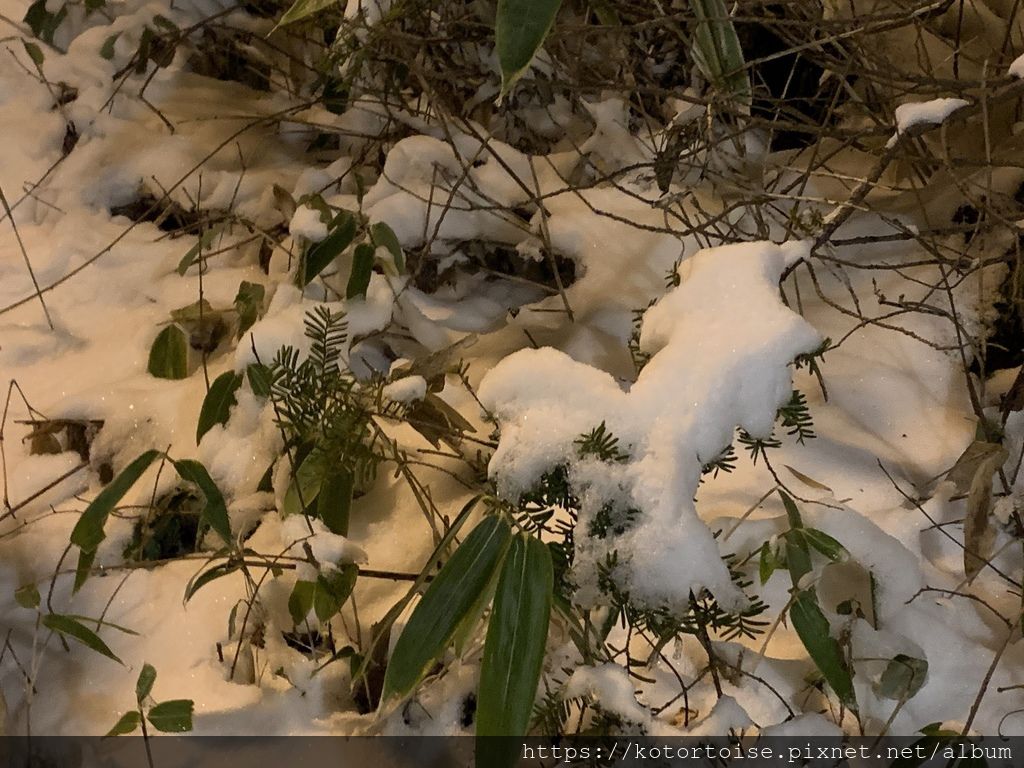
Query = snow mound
x=721 y=344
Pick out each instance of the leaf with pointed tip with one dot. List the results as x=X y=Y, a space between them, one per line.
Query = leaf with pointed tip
x=362 y=269
x=259 y=379
x=88 y=532
x=216 y=408
x=69 y=627
x=27 y=596
x=815 y=633
x=128 y=723
x=168 y=357
x=342 y=232
x=144 y=685
x=173 y=716
x=520 y=29
x=209 y=575
x=514 y=649
x=384 y=236
x=249 y=305
x=215 y=512
x=302 y=9
x=447 y=601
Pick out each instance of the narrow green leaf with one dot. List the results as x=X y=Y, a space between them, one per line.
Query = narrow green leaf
x=342 y=232
x=168 y=357
x=514 y=649
x=88 y=532
x=128 y=723
x=144 y=685
x=35 y=52
x=519 y=31
x=717 y=50
x=218 y=402
x=107 y=52
x=215 y=512
x=305 y=485
x=813 y=629
x=334 y=501
x=362 y=268
x=209 y=575
x=301 y=9
x=825 y=544
x=205 y=239
x=903 y=677
x=766 y=564
x=83 y=569
x=173 y=716
x=446 y=602
x=72 y=628
x=249 y=305
x=27 y=596
x=383 y=235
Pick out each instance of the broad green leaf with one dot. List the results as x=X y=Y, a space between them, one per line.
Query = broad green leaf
x=27 y=596
x=173 y=716
x=445 y=604
x=717 y=51
x=516 y=638
x=300 y=601
x=825 y=544
x=305 y=485
x=342 y=232
x=196 y=311
x=259 y=379
x=69 y=627
x=813 y=629
x=334 y=502
x=249 y=305
x=519 y=31
x=903 y=677
x=333 y=588
x=88 y=532
x=168 y=357
x=107 y=52
x=383 y=235
x=144 y=685
x=215 y=512
x=83 y=569
x=218 y=401
x=128 y=723
x=304 y=8
x=210 y=575
x=798 y=553
x=362 y=269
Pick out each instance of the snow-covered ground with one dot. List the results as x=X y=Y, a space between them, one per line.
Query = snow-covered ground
x=896 y=418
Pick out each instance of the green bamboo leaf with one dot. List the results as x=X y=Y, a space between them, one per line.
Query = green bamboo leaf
x=300 y=601
x=74 y=629
x=342 y=232
x=27 y=596
x=218 y=401
x=249 y=305
x=717 y=51
x=825 y=544
x=445 y=604
x=173 y=716
x=362 y=268
x=35 y=52
x=144 y=685
x=813 y=629
x=107 y=52
x=168 y=357
x=903 y=677
x=514 y=649
x=259 y=379
x=88 y=532
x=302 y=9
x=209 y=575
x=205 y=239
x=215 y=512
x=334 y=502
x=305 y=485
x=128 y=723
x=519 y=31
x=767 y=563
x=333 y=588
x=383 y=235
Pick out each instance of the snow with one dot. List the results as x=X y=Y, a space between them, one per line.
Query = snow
x=329 y=549
x=609 y=687
x=408 y=389
x=306 y=222
x=726 y=314
x=1016 y=68
x=933 y=112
